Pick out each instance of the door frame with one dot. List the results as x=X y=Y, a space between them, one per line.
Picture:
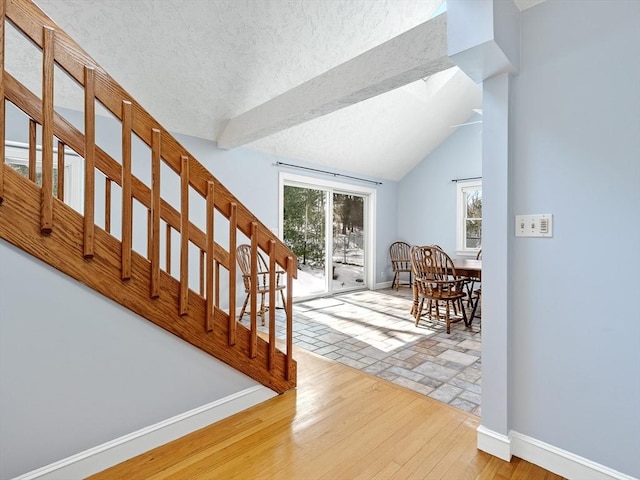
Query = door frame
x=368 y=193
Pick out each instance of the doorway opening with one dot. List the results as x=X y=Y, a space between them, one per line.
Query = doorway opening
x=328 y=225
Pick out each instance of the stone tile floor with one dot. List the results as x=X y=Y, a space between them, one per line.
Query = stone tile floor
x=375 y=332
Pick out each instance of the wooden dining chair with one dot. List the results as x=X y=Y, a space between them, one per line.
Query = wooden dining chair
x=243 y=256
x=400 y=253
x=475 y=293
x=435 y=280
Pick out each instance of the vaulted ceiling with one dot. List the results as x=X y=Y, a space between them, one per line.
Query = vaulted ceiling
x=196 y=64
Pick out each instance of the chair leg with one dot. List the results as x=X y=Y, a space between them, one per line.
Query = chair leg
x=414 y=307
x=448 y=319
x=262 y=308
x=284 y=302
x=396 y=281
x=475 y=306
x=244 y=306
x=467 y=322
x=418 y=310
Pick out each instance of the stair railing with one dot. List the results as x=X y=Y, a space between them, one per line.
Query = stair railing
x=59 y=49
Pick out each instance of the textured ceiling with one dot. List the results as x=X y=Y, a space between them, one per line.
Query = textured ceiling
x=194 y=64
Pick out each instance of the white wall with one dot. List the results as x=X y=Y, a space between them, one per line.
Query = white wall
x=574 y=321
x=427 y=196
x=78 y=370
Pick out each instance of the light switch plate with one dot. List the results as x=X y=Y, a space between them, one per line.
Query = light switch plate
x=539 y=225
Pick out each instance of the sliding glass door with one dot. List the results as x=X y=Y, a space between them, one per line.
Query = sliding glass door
x=304 y=232
x=326 y=229
x=347 y=269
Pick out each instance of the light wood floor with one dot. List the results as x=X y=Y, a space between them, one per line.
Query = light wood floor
x=338 y=424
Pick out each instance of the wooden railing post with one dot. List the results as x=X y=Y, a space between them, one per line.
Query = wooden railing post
x=149 y=230
x=202 y=267
x=289 y=311
x=184 y=234
x=211 y=282
x=154 y=237
x=61 y=171
x=167 y=253
x=107 y=205
x=89 y=159
x=253 y=344
x=217 y=283
x=233 y=235
x=3 y=5
x=33 y=148
x=48 y=57
x=127 y=199
x=272 y=304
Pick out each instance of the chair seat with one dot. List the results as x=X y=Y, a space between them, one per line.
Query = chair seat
x=446 y=295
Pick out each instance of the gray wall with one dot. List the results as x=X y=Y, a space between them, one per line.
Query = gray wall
x=78 y=370
x=574 y=322
x=427 y=196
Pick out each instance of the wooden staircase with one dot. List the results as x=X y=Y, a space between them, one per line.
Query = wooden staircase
x=43 y=224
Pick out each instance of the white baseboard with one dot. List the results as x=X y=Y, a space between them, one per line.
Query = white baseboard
x=494 y=443
x=381 y=285
x=116 y=451
x=547 y=456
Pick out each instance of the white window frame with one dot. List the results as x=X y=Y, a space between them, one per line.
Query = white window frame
x=18 y=153
x=461 y=231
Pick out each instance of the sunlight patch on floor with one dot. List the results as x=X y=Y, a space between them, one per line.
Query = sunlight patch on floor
x=376 y=324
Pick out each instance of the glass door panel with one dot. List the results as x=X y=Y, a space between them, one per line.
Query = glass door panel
x=304 y=233
x=347 y=261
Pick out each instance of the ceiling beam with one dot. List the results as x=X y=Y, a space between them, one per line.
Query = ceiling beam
x=415 y=54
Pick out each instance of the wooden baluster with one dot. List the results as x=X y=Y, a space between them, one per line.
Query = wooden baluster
x=61 y=171
x=46 y=198
x=154 y=240
x=107 y=205
x=211 y=283
x=33 y=148
x=184 y=235
x=202 y=277
x=168 y=250
x=233 y=236
x=217 y=283
x=3 y=5
x=127 y=200
x=253 y=345
x=149 y=233
x=89 y=159
x=289 y=311
x=272 y=303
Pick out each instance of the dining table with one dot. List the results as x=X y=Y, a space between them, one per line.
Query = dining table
x=471 y=268
x=468 y=267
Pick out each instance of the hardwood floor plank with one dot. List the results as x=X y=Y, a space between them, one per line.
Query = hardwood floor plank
x=339 y=423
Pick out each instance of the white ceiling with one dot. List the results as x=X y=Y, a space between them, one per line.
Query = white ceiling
x=194 y=64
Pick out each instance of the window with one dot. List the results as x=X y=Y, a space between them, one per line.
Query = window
x=469 y=218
